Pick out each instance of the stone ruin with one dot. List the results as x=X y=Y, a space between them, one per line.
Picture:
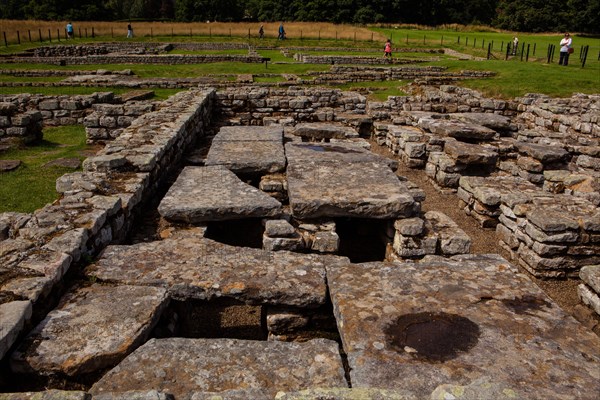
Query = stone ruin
x=269 y=206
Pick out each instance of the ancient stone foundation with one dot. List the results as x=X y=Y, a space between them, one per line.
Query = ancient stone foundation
x=341 y=284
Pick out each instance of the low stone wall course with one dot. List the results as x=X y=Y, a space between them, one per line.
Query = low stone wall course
x=98 y=206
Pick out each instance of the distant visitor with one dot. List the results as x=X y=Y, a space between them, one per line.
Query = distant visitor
x=387 y=50
x=129 y=31
x=515 y=46
x=261 y=32
x=281 y=32
x=69 y=31
x=565 y=50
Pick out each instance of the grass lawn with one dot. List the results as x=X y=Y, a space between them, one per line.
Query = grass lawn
x=39 y=180
x=515 y=78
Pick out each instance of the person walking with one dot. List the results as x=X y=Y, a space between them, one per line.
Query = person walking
x=261 y=32
x=281 y=32
x=515 y=46
x=387 y=50
x=69 y=31
x=129 y=31
x=565 y=50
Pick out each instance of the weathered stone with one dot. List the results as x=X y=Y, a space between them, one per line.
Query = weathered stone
x=251 y=149
x=590 y=274
x=368 y=190
x=530 y=164
x=284 y=320
x=9 y=165
x=410 y=226
x=545 y=154
x=279 y=228
x=184 y=366
x=92 y=328
x=13 y=317
x=50 y=394
x=480 y=329
x=452 y=239
x=460 y=129
x=283 y=243
x=550 y=221
x=319 y=131
x=203 y=194
x=348 y=394
x=589 y=297
x=343 y=151
x=195 y=267
x=325 y=242
x=466 y=153
x=493 y=121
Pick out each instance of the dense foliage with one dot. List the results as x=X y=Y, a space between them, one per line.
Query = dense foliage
x=519 y=15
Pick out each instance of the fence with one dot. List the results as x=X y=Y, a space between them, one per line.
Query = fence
x=484 y=47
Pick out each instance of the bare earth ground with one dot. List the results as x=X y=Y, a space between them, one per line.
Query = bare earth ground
x=562 y=291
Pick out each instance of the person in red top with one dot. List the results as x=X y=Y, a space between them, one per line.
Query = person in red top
x=387 y=52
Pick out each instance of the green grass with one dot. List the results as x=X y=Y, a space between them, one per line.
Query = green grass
x=39 y=181
x=515 y=78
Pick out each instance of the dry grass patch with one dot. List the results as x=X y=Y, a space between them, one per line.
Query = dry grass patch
x=313 y=30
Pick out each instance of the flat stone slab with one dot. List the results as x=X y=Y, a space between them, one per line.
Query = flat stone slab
x=92 y=328
x=454 y=321
x=203 y=194
x=323 y=130
x=250 y=134
x=493 y=121
x=457 y=129
x=351 y=152
x=492 y=191
x=190 y=266
x=13 y=316
x=467 y=153
x=248 y=149
x=342 y=189
x=9 y=165
x=541 y=152
x=184 y=366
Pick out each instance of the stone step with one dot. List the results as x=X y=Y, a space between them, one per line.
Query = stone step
x=199 y=368
x=454 y=321
x=92 y=328
x=203 y=194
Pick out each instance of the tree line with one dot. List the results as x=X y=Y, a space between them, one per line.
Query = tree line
x=517 y=15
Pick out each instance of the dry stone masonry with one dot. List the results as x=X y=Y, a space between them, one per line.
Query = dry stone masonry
x=345 y=286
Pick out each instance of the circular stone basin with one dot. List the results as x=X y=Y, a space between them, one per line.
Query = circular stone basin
x=435 y=337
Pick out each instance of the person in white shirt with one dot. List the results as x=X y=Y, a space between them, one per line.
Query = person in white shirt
x=565 y=50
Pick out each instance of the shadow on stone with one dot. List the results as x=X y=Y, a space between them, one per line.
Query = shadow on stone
x=435 y=337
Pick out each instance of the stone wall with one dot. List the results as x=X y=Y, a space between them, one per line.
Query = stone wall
x=169 y=59
x=97 y=206
x=339 y=59
x=107 y=121
x=250 y=105
x=58 y=110
x=19 y=127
